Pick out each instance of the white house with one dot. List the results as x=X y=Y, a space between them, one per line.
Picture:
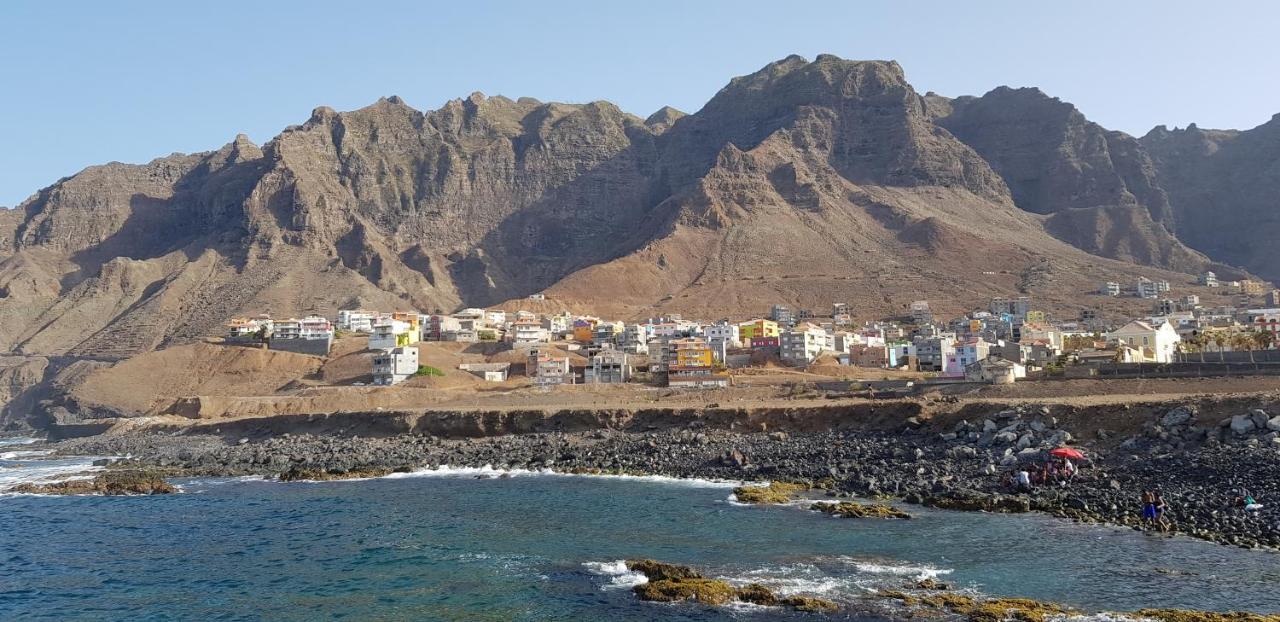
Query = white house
x=395 y=366
x=529 y=331
x=802 y=344
x=356 y=321
x=1156 y=344
x=995 y=370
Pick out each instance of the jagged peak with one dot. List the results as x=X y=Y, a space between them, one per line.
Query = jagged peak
x=664 y=117
x=322 y=114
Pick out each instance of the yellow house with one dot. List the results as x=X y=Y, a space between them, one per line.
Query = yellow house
x=692 y=353
x=414 y=334
x=1035 y=317
x=584 y=329
x=757 y=328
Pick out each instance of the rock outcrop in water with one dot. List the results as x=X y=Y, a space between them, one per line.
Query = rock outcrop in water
x=122 y=482
x=853 y=509
x=675 y=583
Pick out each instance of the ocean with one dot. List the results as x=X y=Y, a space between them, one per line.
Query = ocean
x=465 y=544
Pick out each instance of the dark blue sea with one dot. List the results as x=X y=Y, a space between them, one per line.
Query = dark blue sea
x=449 y=546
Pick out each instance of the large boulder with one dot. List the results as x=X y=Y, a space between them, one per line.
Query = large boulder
x=1176 y=417
x=1260 y=418
x=1273 y=423
x=1242 y=425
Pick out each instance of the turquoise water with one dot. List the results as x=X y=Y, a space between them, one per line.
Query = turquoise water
x=540 y=547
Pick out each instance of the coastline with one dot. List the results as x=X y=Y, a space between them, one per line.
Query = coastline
x=917 y=465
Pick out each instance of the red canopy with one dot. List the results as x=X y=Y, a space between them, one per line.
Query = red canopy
x=1067 y=452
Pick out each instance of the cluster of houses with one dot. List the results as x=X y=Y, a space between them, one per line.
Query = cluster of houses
x=998 y=344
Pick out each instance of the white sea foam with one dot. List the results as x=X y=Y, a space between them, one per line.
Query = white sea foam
x=29 y=453
x=18 y=440
x=897 y=570
x=619 y=575
x=790 y=579
x=38 y=472
x=490 y=472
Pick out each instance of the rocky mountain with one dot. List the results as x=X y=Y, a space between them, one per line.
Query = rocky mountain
x=805 y=182
x=1224 y=188
x=1098 y=187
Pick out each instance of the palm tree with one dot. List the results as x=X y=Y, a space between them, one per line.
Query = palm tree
x=1242 y=341
x=1219 y=339
x=1201 y=342
x=1264 y=339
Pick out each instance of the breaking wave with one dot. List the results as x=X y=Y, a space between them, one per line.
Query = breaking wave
x=619 y=575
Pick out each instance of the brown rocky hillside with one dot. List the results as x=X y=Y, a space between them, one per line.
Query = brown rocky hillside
x=803 y=183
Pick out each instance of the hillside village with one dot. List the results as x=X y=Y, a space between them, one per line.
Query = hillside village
x=1010 y=340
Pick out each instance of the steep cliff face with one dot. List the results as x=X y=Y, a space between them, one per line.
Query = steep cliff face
x=1224 y=186
x=804 y=182
x=1098 y=187
x=812 y=182
x=484 y=199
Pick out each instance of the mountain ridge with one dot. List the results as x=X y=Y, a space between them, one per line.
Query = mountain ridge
x=800 y=183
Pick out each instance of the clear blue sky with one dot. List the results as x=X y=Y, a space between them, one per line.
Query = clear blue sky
x=91 y=82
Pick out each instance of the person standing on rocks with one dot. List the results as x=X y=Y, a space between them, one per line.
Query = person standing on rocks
x=1023 y=481
x=1149 y=514
x=1161 y=508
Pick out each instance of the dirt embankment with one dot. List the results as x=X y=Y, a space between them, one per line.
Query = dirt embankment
x=1102 y=425
x=472 y=424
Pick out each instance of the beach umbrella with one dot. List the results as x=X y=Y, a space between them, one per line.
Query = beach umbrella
x=1070 y=453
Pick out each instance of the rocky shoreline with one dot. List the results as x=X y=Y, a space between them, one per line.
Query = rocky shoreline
x=1196 y=468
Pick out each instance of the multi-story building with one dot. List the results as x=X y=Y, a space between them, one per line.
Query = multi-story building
x=608 y=366
x=436 y=327
x=661 y=353
x=863 y=355
x=920 y=312
x=899 y=354
x=1146 y=288
x=635 y=339
x=584 y=329
x=557 y=325
x=1208 y=279
x=931 y=352
x=841 y=314
x=553 y=370
x=802 y=344
x=528 y=331
x=356 y=321
x=467 y=331
x=782 y=315
x=1250 y=287
x=395 y=365
x=1273 y=298
x=606 y=334
x=310 y=335
x=1265 y=320
x=1110 y=288
x=965 y=354
x=1015 y=307
x=249 y=329
x=722 y=337
x=1154 y=344
x=757 y=328
x=692 y=366
x=389 y=333
x=1164 y=306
